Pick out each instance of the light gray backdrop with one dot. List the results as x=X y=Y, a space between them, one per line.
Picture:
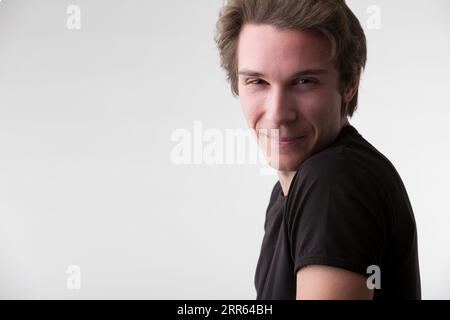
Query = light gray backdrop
x=86 y=118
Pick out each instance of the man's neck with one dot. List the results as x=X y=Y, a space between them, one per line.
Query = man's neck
x=285 y=180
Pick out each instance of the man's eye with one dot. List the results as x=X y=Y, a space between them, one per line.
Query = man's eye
x=256 y=82
x=259 y=82
x=305 y=81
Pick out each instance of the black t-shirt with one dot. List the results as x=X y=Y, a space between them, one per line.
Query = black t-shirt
x=346 y=207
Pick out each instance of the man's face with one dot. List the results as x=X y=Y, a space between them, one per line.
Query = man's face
x=305 y=107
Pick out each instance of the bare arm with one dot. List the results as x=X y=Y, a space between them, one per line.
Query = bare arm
x=318 y=282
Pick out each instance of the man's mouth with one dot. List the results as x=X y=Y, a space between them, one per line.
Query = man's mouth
x=285 y=141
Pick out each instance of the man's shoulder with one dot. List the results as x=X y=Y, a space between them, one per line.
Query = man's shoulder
x=352 y=157
x=327 y=164
x=334 y=176
x=358 y=164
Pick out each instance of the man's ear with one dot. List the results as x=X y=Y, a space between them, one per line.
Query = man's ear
x=351 y=90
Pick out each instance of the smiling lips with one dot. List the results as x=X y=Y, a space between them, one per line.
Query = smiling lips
x=284 y=141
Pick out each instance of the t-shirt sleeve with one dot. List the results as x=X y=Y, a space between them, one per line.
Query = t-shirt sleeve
x=336 y=216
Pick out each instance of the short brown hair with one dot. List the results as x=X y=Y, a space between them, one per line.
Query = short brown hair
x=332 y=18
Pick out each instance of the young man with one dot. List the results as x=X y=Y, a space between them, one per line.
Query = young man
x=339 y=224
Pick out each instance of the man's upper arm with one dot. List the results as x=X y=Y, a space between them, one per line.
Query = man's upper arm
x=337 y=223
x=320 y=282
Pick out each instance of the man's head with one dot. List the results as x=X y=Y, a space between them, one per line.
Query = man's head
x=295 y=64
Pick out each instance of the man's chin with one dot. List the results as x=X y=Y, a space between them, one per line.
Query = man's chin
x=286 y=165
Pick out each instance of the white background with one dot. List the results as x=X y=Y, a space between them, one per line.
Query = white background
x=86 y=176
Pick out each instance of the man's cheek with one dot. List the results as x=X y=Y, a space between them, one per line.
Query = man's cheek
x=252 y=115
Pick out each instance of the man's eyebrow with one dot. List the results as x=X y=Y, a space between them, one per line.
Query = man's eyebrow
x=306 y=72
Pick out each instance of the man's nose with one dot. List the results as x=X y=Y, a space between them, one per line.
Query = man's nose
x=280 y=107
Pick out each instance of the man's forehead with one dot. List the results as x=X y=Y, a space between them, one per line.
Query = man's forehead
x=269 y=36
x=261 y=47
